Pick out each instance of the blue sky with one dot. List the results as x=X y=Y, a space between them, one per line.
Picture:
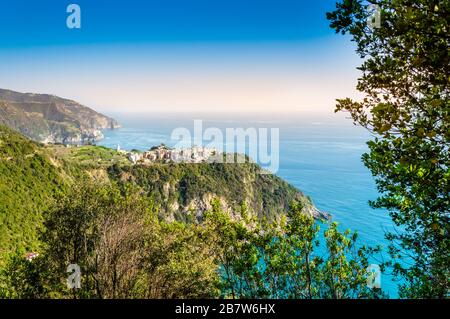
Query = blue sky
x=36 y=23
x=178 y=54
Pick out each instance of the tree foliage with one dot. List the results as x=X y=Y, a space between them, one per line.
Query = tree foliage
x=28 y=183
x=280 y=259
x=406 y=82
x=124 y=250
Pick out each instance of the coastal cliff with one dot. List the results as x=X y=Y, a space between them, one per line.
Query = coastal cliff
x=51 y=119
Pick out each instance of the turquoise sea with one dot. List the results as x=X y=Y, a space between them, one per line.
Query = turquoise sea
x=319 y=154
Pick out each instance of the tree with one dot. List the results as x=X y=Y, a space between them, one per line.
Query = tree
x=279 y=258
x=235 y=252
x=405 y=79
x=342 y=276
x=25 y=279
x=179 y=263
x=102 y=229
x=113 y=234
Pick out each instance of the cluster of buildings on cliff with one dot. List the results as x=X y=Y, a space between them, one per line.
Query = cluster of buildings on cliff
x=164 y=154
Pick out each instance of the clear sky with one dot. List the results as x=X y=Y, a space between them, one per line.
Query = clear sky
x=178 y=55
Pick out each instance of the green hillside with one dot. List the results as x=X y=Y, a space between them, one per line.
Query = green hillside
x=31 y=174
x=180 y=188
x=28 y=182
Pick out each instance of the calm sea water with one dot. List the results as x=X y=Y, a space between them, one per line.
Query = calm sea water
x=319 y=154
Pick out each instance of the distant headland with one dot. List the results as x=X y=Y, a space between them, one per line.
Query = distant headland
x=51 y=119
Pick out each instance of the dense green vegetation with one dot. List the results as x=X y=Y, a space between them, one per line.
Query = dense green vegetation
x=406 y=83
x=89 y=156
x=28 y=183
x=187 y=185
x=113 y=233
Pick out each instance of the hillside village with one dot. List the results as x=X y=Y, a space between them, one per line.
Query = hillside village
x=164 y=154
